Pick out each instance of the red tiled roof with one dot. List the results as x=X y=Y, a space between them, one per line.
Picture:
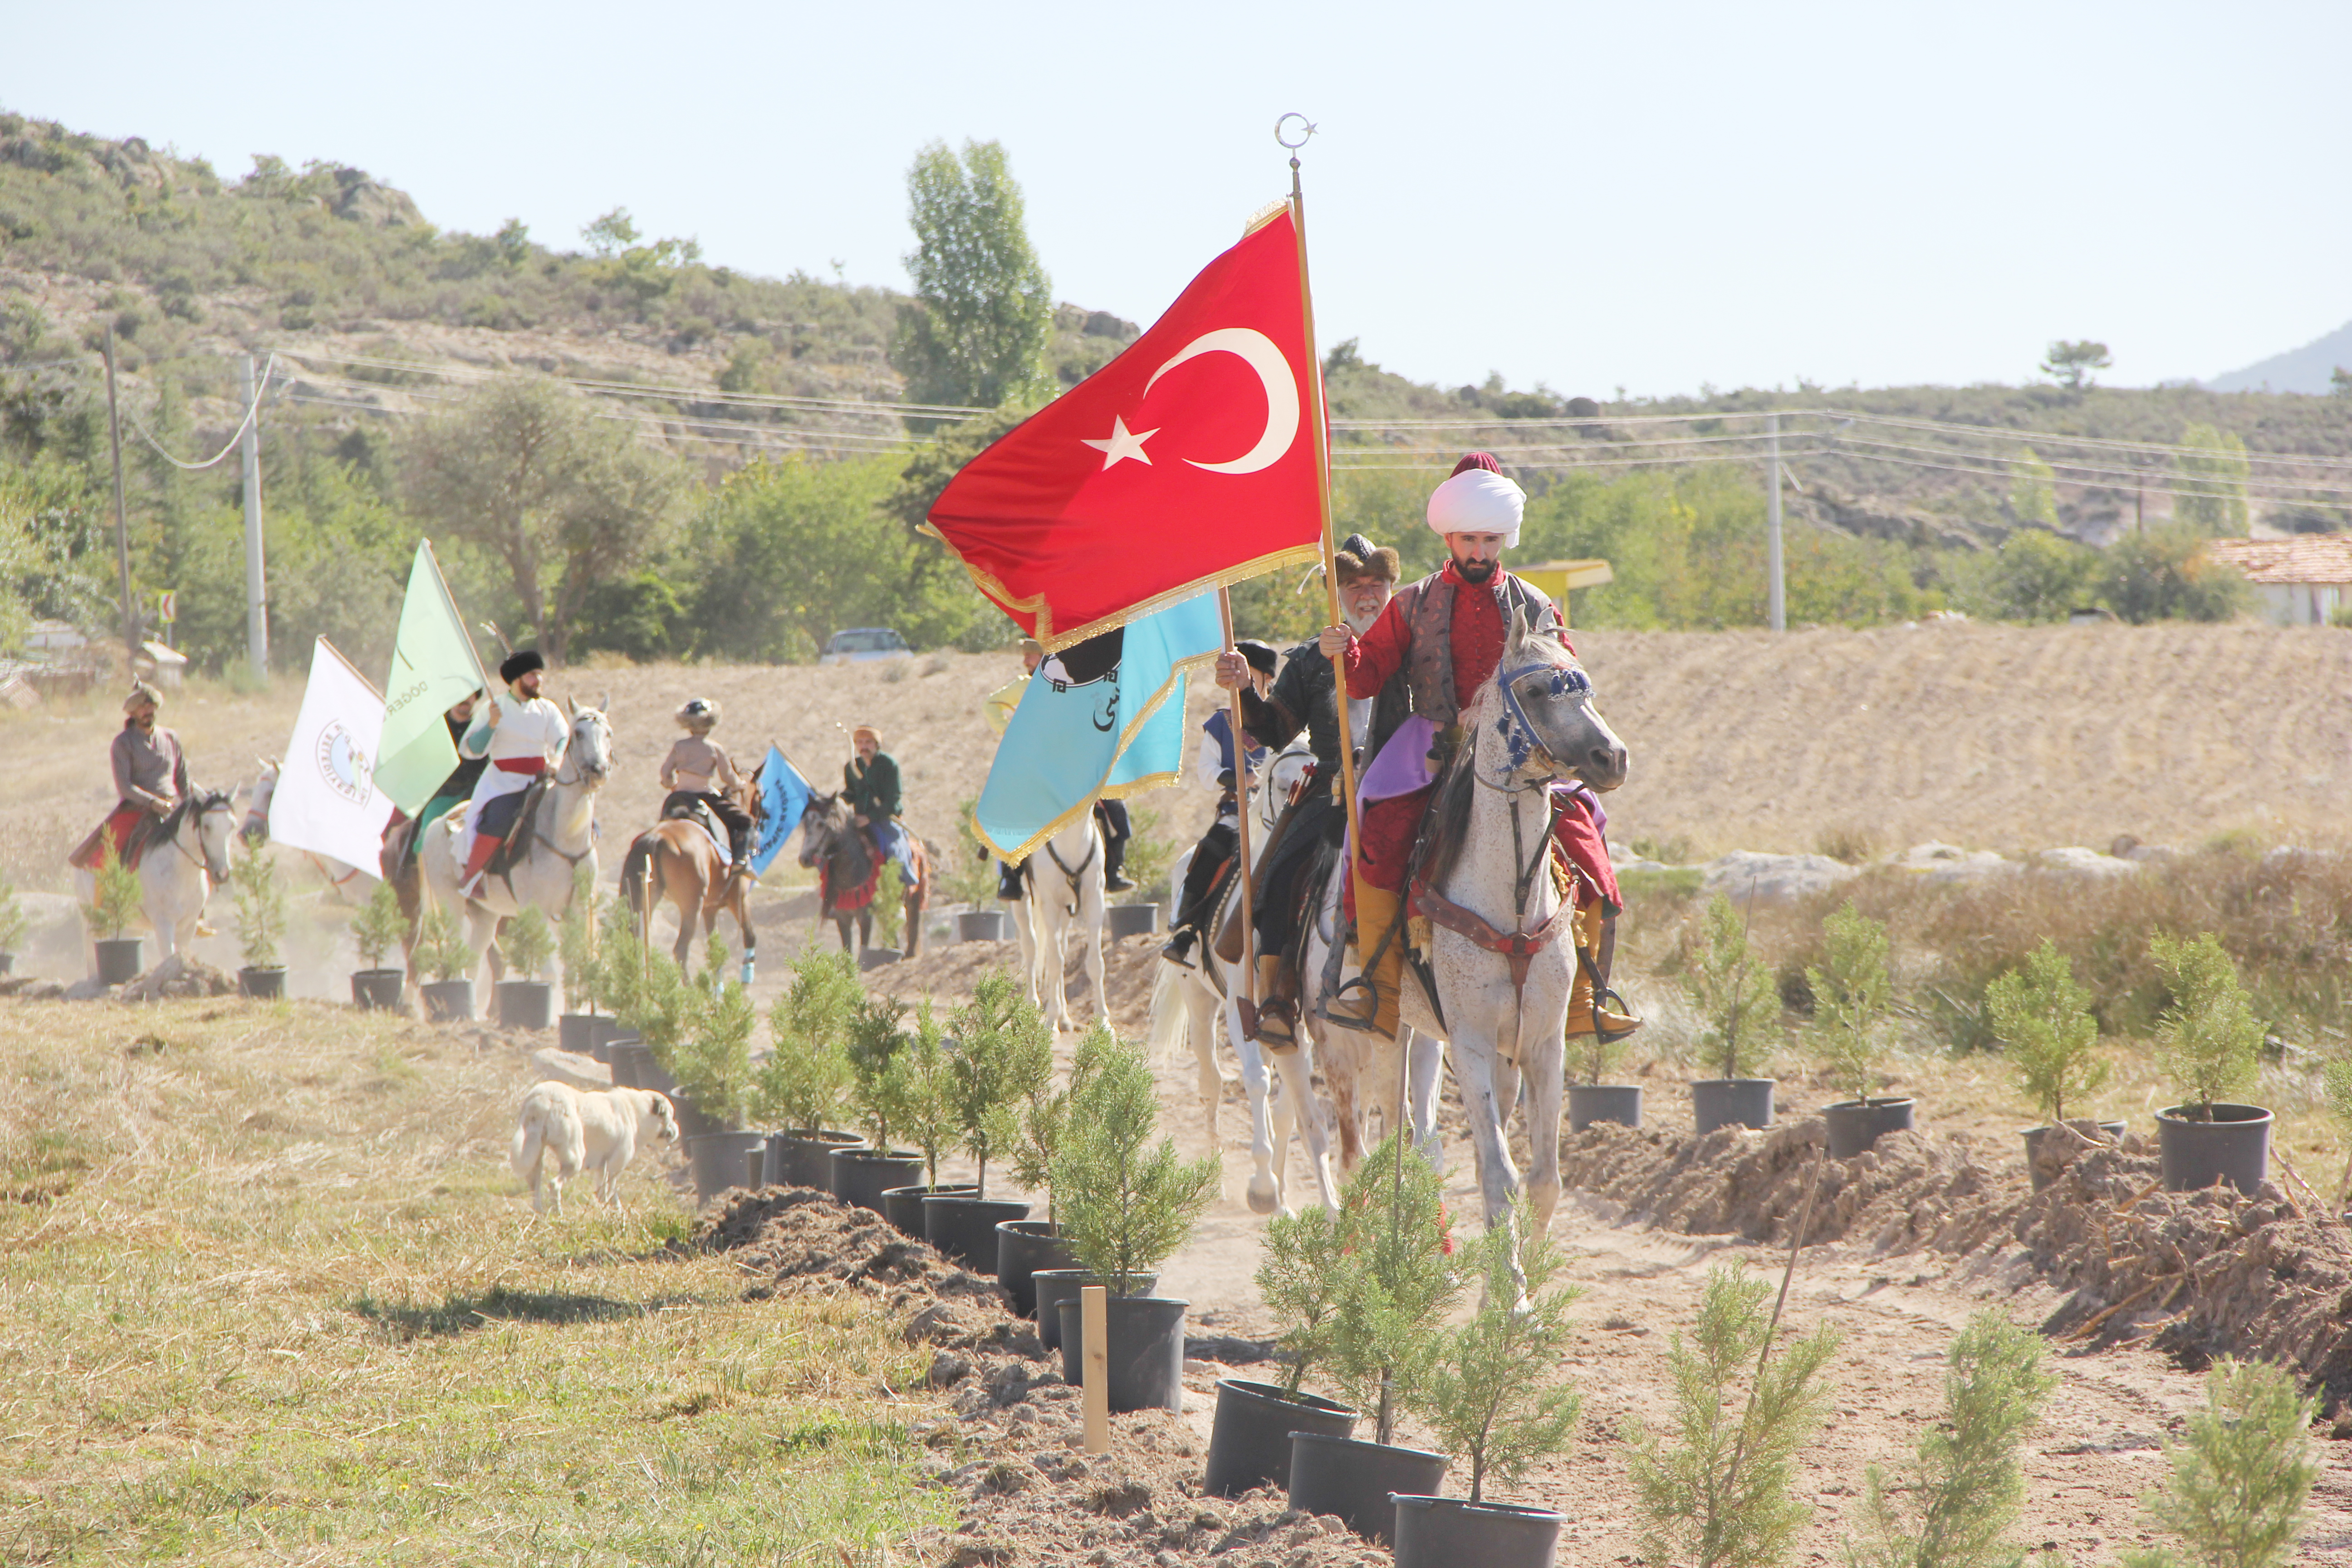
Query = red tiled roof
x=2314 y=558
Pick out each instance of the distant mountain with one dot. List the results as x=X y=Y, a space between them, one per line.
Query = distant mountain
x=2306 y=369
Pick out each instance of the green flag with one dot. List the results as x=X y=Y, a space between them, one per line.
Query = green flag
x=433 y=667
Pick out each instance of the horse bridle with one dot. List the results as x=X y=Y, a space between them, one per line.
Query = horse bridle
x=1094 y=842
x=200 y=807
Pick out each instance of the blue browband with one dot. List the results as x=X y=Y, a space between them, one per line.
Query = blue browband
x=1519 y=733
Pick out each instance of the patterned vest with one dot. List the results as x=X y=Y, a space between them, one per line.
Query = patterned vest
x=1428 y=609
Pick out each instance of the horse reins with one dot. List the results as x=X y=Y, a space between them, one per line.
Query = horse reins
x=1094 y=842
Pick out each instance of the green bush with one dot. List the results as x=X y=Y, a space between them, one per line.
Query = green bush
x=1004 y=1052
x=917 y=1085
x=13 y=924
x=2044 y=1020
x=1044 y=1116
x=378 y=926
x=2209 y=1040
x=1731 y=989
x=1853 y=995
x=260 y=910
x=1401 y=1276
x=526 y=944
x=806 y=1076
x=576 y=941
x=2243 y=1472
x=1126 y=1206
x=875 y=1039
x=115 y=897
x=441 y=950
x=711 y=1057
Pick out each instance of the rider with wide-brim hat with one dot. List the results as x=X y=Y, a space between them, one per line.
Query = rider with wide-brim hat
x=151 y=778
x=699 y=769
x=526 y=738
x=1445 y=636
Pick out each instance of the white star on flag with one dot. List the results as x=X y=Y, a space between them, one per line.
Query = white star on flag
x=1122 y=443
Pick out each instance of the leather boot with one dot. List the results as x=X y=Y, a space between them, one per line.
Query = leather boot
x=1376 y=910
x=1611 y=1024
x=1277 y=1004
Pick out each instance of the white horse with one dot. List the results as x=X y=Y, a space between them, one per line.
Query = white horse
x=564 y=838
x=1532 y=723
x=1063 y=888
x=1186 y=1004
x=176 y=877
x=1360 y=1068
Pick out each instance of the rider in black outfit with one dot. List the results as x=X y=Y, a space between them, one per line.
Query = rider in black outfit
x=1204 y=880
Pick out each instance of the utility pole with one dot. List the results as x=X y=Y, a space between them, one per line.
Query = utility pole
x=256 y=605
x=1780 y=600
x=121 y=528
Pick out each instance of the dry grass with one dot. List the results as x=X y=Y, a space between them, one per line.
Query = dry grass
x=267 y=1290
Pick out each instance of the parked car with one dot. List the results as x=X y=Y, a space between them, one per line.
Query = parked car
x=862 y=644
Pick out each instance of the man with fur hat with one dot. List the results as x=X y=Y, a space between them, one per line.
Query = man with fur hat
x=1306 y=696
x=698 y=770
x=1445 y=636
x=1205 y=879
x=151 y=778
x=527 y=736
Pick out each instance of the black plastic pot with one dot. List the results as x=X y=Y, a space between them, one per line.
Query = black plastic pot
x=963 y=1228
x=903 y=1205
x=755 y=1169
x=1130 y=919
x=651 y=1074
x=1053 y=1287
x=1592 y=1102
x=1731 y=1102
x=1022 y=1248
x=804 y=1159
x=523 y=1004
x=379 y=989
x=1249 y=1445
x=1354 y=1480
x=717 y=1160
x=2232 y=1144
x=1145 y=1336
x=448 y=1000
x=265 y=984
x=576 y=1033
x=861 y=1176
x=982 y=925
x=117 y=958
x=1448 y=1531
x=1855 y=1124
x=604 y=1029
x=626 y=1056
x=2111 y=1132
x=693 y=1121
x=876 y=957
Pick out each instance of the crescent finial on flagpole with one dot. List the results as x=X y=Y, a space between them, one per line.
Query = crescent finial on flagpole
x=1283 y=137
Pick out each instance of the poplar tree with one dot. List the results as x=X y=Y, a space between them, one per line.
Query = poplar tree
x=983 y=310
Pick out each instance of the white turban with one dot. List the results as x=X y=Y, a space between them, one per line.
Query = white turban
x=1477 y=501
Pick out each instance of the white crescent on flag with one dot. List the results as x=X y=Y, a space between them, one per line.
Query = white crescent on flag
x=1255 y=350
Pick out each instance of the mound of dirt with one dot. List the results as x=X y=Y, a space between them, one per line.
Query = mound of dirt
x=2198 y=1274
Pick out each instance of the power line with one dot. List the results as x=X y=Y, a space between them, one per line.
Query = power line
x=251 y=410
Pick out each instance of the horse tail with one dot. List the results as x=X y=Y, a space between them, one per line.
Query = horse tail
x=1171 y=1019
x=634 y=871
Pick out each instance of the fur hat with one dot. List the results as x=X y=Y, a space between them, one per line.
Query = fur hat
x=520 y=663
x=142 y=692
x=1359 y=558
x=698 y=714
x=1262 y=656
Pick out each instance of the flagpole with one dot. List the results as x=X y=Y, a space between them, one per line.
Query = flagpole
x=1241 y=816
x=1320 y=424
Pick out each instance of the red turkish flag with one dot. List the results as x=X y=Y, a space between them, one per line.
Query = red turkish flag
x=1189 y=461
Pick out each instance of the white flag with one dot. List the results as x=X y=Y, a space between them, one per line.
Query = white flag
x=327 y=801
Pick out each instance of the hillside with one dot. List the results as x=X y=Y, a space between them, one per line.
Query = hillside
x=2310 y=369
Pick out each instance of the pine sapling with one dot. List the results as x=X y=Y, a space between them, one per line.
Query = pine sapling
x=2043 y=1018
x=873 y=1038
x=2242 y=1473
x=621 y=959
x=1719 y=1490
x=1301 y=1276
x=1045 y=1116
x=576 y=942
x=1731 y=990
x=13 y=924
x=528 y=944
x=1400 y=1277
x=2209 y=1040
x=441 y=946
x=662 y=1009
x=1126 y=1204
x=2336 y=1080
x=260 y=910
x=1495 y=1393
x=378 y=925
x=800 y=1085
x=918 y=1085
x=1961 y=1494
x=711 y=1057
x=1002 y=1050
x=1853 y=995
x=115 y=895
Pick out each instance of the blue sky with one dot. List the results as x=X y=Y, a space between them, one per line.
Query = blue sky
x=1650 y=196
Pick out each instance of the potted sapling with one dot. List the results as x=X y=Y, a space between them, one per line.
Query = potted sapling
x=525 y=999
x=261 y=925
x=804 y=1082
x=1731 y=991
x=1126 y=1204
x=861 y=1176
x=377 y=927
x=1302 y=1275
x=1718 y=1488
x=617 y=974
x=115 y=898
x=581 y=1029
x=2209 y=1042
x=661 y=1010
x=1025 y=1246
x=1595 y=1057
x=1494 y=1396
x=441 y=952
x=1058 y=1278
x=13 y=924
x=2044 y=1020
x=916 y=1084
x=1001 y=1049
x=1853 y=995
x=712 y=1061
x=1396 y=1275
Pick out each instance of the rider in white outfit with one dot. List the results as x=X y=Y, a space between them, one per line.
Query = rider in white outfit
x=526 y=735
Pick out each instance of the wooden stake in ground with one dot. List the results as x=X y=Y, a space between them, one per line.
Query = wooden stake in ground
x=1092 y=1324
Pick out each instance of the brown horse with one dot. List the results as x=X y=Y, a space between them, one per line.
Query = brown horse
x=676 y=862
x=849 y=873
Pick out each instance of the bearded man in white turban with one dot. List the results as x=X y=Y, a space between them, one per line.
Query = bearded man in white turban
x=1445 y=633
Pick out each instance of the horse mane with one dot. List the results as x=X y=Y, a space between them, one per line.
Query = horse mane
x=1446 y=824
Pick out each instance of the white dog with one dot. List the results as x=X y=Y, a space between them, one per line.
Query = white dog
x=585 y=1130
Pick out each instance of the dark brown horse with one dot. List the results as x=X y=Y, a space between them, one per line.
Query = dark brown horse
x=675 y=862
x=850 y=872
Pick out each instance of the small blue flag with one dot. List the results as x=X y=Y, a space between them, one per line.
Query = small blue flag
x=783 y=795
x=1106 y=717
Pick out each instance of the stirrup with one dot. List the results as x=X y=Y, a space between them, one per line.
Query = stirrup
x=1339 y=1008
x=1177 y=949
